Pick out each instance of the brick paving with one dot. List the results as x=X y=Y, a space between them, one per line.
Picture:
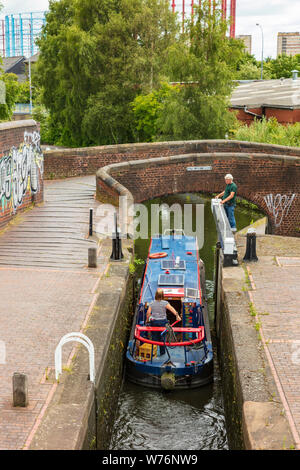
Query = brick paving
x=46 y=291
x=276 y=297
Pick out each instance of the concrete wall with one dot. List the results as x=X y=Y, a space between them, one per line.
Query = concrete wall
x=21 y=168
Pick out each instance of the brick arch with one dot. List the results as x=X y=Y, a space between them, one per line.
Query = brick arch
x=272 y=182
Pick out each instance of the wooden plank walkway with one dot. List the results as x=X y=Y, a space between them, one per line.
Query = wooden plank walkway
x=54 y=234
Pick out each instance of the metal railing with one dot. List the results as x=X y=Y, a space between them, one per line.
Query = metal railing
x=225 y=235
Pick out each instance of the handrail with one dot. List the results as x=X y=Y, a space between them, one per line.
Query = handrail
x=226 y=236
x=80 y=338
x=198 y=331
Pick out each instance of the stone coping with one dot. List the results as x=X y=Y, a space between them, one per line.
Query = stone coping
x=194 y=144
x=104 y=173
x=4 y=126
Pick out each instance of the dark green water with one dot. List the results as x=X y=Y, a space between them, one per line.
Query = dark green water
x=180 y=420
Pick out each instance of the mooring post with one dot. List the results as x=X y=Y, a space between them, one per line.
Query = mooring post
x=250 y=254
x=92 y=257
x=116 y=243
x=20 y=389
x=91 y=223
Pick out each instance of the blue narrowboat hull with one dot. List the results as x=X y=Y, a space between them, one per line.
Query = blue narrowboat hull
x=181 y=275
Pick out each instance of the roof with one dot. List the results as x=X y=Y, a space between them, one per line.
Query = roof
x=10 y=62
x=283 y=93
x=33 y=58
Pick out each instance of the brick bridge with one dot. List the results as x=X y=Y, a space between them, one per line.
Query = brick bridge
x=269 y=180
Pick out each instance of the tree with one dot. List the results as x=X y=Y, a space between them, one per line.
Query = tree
x=200 y=109
x=282 y=66
x=96 y=57
x=146 y=110
x=9 y=87
x=249 y=71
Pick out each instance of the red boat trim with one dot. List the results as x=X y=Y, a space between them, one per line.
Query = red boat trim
x=199 y=331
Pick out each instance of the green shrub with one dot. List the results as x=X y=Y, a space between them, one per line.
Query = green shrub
x=270 y=132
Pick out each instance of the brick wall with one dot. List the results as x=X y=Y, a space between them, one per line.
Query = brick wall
x=270 y=181
x=21 y=168
x=283 y=115
x=86 y=161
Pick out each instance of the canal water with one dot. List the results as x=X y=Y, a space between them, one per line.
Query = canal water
x=147 y=419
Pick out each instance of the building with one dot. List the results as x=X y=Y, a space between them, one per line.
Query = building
x=18 y=33
x=288 y=43
x=268 y=98
x=185 y=10
x=14 y=65
x=247 y=39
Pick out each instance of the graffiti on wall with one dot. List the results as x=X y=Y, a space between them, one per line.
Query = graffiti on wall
x=19 y=171
x=279 y=206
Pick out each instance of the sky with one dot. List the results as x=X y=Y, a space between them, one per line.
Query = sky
x=273 y=15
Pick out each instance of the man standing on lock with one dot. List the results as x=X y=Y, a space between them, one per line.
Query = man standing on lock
x=229 y=200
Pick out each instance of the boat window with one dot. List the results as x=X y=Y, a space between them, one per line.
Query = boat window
x=191 y=293
x=171 y=264
x=171 y=280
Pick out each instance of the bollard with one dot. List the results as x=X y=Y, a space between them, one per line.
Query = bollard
x=91 y=223
x=250 y=254
x=20 y=389
x=92 y=257
x=116 y=243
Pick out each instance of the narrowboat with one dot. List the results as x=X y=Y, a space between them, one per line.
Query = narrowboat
x=172 y=265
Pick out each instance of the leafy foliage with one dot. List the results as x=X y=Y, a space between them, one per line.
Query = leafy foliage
x=271 y=132
x=146 y=109
x=96 y=57
x=282 y=66
x=11 y=92
x=250 y=71
x=208 y=60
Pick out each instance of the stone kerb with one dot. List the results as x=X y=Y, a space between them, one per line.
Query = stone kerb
x=269 y=181
x=21 y=168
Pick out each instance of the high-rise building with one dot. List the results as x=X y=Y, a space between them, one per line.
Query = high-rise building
x=288 y=43
x=247 y=39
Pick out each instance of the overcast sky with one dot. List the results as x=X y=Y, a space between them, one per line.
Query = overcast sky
x=273 y=15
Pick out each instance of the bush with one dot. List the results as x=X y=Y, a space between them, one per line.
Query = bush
x=270 y=132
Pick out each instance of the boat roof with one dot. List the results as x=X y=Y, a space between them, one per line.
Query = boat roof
x=176 y=272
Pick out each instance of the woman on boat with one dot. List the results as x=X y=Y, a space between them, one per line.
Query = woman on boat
x=157 y=316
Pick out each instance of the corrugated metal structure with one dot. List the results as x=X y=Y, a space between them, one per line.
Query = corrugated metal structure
x=19 y=33
x=185 y=9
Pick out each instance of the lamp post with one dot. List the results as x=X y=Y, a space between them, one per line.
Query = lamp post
x=30 y=87
x=262 y=51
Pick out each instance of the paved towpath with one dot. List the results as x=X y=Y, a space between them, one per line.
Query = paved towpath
x=46 y=291
x=275 y=281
